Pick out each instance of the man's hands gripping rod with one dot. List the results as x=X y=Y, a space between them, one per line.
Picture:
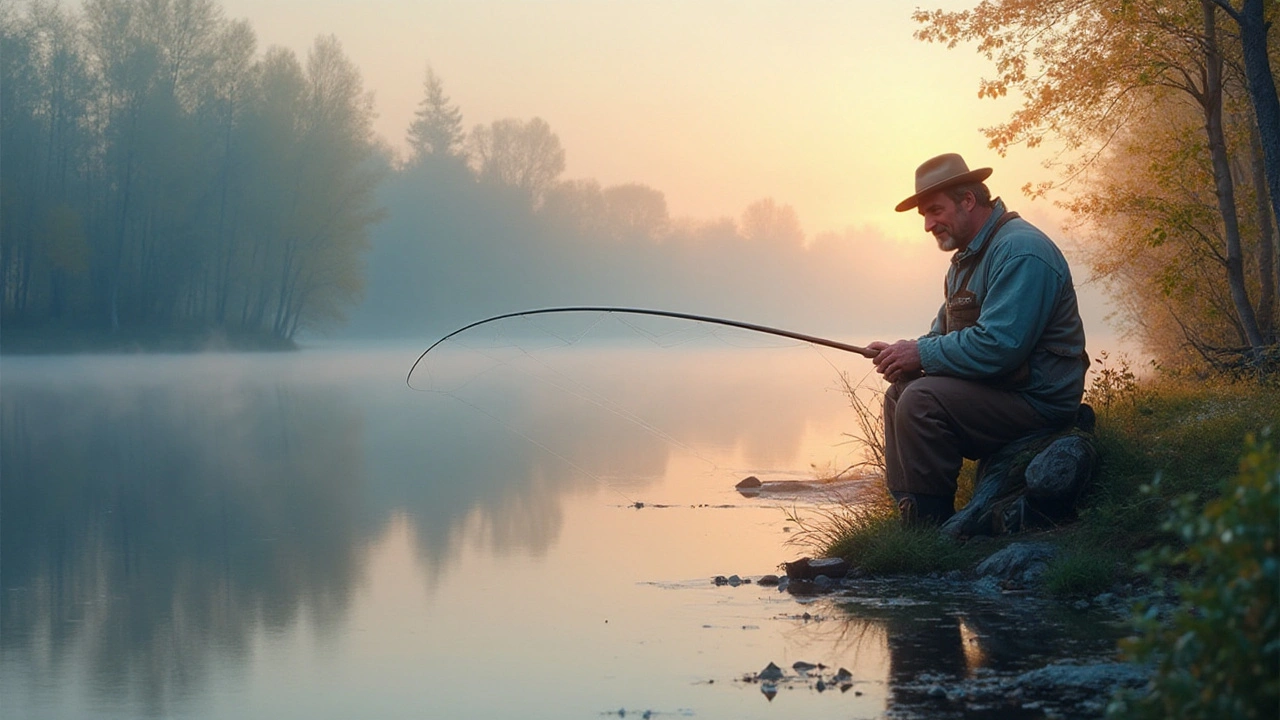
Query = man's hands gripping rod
x=897 y=362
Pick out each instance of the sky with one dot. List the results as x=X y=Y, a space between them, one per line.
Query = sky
x=825 y=105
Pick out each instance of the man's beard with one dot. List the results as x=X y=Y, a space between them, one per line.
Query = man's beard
x=947 y=242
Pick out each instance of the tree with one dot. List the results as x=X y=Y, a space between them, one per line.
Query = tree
x=1089 y=69
x=436 y=130
x=635 y=211
x=766 y=221
x=1254 y=28
x=526 y=156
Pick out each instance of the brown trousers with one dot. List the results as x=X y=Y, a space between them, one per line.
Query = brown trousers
x=932 y=423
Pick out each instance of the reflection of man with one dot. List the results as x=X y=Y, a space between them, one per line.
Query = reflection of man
x=1005 y=356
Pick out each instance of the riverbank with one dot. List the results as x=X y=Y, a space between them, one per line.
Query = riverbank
x=1176 y=535
x=73 y=341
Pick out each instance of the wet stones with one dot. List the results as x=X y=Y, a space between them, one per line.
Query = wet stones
x=1023 y=562
x=812 y=568
x=815 y=676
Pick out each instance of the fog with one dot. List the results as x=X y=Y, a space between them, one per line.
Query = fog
x=440 y=260
x=268 y=184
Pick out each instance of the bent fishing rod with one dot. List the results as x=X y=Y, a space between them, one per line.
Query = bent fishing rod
x=865 y=352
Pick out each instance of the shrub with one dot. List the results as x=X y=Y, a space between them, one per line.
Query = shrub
x=1218 y=654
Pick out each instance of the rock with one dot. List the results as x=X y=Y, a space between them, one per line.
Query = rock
x=768 y=580
x=986 y=585
x=1032 y=482
x=770 y=672
x=1094 y=677
x=802 y=667
x=1062 y=471
x=810 y=568
x=734 y=580
x=749 y=483
x=1018 y=561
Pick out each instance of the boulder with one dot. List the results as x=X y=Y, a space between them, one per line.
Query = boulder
x=1032 y=482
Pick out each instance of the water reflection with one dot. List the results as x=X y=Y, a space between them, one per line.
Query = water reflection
x=161 y=516
x=149 y=530
x=939 y=634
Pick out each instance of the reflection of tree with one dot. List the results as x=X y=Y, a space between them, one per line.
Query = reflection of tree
x=491 y=460
x=148 y=529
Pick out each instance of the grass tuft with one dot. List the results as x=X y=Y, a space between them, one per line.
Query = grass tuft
x=872 y=538
x=1081 y=573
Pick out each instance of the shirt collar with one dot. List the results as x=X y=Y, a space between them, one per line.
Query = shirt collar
x=997 y=212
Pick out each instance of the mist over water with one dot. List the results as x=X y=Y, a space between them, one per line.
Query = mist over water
x=302 y=535
x=168 y=520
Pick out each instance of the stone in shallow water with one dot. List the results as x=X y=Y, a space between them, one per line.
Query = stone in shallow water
x=770 y=672
x=810 y=568
x=1019 y=561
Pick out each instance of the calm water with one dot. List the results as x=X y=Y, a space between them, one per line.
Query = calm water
x=303 y=536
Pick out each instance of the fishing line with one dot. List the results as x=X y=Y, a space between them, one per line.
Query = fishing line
x=865 y=352
x=593 y=397
x=566 y=385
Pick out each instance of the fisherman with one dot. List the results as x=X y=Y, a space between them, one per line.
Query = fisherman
x=1005 y=356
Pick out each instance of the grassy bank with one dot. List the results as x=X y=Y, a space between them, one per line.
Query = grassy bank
x=1158 y=441
x=1184 y=508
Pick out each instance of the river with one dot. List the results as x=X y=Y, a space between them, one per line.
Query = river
x=301 y=535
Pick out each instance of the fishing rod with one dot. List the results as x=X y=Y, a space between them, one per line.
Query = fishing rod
x=865 y=352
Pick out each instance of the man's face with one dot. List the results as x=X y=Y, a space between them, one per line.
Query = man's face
x=950 y=223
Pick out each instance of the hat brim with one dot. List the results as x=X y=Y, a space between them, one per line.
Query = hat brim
x=972 y=176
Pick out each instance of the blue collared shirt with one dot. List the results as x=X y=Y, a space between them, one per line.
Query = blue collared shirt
x=1028 y=314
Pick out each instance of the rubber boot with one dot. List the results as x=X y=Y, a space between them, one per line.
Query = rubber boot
x=918 y=510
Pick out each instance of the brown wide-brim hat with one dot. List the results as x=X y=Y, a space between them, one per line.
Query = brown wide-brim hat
x=941 y=172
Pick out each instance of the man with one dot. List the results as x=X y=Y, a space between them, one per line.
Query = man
x=1005 y=356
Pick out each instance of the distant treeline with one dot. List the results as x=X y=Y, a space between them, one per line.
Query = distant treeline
x=159 y=175
x=163 y=177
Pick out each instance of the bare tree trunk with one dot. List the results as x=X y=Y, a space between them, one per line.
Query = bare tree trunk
x=1262 y=87
x=1266 y=243
x=1224 y=185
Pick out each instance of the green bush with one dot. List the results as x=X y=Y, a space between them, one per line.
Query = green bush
x=1217 y=655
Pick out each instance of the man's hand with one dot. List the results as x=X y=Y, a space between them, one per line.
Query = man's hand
x=897 y=362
